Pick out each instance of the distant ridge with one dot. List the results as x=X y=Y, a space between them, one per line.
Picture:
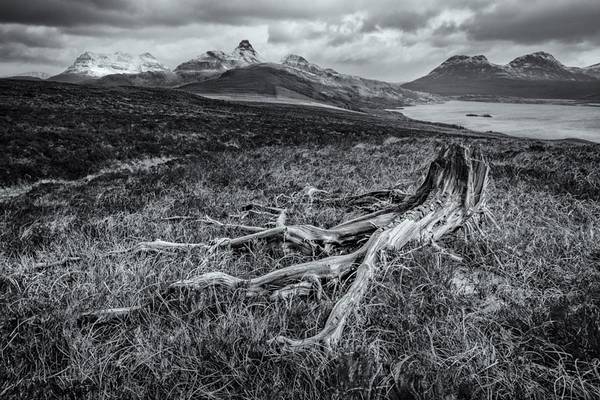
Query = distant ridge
x=33 y=76
x=535 y=75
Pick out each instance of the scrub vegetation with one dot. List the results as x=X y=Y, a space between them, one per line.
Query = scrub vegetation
x=507 y=311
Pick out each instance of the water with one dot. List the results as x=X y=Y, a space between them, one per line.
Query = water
x=539 y=121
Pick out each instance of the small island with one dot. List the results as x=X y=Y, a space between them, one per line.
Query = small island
x=479 y=115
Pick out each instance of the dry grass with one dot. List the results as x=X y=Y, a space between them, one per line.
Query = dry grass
x=516 y=318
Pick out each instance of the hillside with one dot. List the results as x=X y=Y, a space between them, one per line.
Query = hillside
x=106 y=125
x=243 y=71
x=593 y=70
x=327 y=86
x=537 y=75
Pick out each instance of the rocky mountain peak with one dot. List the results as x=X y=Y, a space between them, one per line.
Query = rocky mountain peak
x=301 y=63
x=462 y=59
x=246 y=54
x=543 y=66
x=538 y=58
x=480 y=59
x=294 y=59
x=467 y=67
x=245 y=45
x=217 y=61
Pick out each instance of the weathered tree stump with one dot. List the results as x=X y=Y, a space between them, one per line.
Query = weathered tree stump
x=451 y=196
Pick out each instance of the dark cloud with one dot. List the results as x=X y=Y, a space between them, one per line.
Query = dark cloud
x=135 y=13
x=537 y=21
x=376 y=38
x=65 y=12
x=31 y=36
x=519 y=21
x=14 y=52
x=29 y=44
x=407 y=21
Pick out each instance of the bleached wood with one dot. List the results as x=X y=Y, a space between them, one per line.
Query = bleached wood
x=451 y=196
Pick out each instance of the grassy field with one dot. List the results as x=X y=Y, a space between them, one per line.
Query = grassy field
x=88 y=171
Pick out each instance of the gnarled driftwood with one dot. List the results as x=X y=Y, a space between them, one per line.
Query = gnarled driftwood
x=451 y=196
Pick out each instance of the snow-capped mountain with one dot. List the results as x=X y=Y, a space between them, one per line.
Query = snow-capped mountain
x=537 y=75
x=245 y=54
x=206 y=66
x=90 y=65
x=98 y=64
x=216 y=61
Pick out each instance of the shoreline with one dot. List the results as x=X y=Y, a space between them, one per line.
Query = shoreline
x=535 y=122
x=523 y=100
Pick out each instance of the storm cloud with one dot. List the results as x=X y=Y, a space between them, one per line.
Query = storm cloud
x=387 y=39
x=537 y=21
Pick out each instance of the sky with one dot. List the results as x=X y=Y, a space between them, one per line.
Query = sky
x=392 y=40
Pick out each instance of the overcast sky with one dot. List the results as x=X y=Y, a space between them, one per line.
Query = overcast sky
x=394 y=40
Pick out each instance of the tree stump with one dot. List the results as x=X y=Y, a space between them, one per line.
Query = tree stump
x=451 y=196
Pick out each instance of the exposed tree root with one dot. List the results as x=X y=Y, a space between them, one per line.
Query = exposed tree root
x=63 y=261
x=451 y=196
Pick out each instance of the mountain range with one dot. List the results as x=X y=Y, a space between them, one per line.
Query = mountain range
x=244 y=72
x=536 y=75
x=120 y=69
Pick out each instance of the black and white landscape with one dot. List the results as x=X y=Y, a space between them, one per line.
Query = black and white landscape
x=295 y=200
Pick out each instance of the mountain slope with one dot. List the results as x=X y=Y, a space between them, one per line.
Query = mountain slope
x=592 y=70
x=536 y=75
x=216 y=62
x=269 y=80
x=367 y=89
x=89 y=66
x=299 y=79
x=142 y=79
